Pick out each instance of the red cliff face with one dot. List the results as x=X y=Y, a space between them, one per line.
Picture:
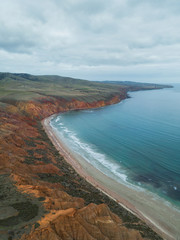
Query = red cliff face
x=45 y=107
x=90 y=222
x=43 y=178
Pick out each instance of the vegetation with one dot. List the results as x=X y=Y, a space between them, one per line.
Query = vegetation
x=135 y=86
x=27 y=209
x=24 y=87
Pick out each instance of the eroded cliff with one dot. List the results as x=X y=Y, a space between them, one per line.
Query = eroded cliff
x=42 y=197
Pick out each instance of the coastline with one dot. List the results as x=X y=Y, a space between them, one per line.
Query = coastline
x=138 y=200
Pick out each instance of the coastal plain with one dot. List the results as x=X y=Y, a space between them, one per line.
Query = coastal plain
x=42 y=196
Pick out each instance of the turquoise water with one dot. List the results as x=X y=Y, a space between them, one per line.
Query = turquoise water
x=136 y=141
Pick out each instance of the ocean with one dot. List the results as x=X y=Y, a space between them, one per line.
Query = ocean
x=135 y=142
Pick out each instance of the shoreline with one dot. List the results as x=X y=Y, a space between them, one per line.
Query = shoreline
x=113 y=189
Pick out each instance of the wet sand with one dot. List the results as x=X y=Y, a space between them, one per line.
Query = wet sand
x=160 y=216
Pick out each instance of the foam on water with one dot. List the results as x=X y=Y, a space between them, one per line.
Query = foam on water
x=90 y=153
x=57 y=119
x=88 y=111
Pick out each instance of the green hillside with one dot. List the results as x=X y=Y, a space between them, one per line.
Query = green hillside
x=27 y=87
x=18 y=87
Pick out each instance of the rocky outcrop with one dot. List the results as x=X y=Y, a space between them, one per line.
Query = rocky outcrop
x=91 y=222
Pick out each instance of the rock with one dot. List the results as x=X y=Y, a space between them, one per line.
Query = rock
x=91 y=222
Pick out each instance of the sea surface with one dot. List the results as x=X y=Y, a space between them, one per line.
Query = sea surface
x=135 y=142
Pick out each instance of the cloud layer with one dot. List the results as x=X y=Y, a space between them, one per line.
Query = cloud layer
x=97 y=39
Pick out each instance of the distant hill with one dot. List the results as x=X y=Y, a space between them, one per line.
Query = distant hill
x=134 y=86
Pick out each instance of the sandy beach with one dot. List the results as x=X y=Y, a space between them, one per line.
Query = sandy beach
x=160 y=216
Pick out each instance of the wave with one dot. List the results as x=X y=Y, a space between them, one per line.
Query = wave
x=90 y=153
x=57 y=119
x=88 y=111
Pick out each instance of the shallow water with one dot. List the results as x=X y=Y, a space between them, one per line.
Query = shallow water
x=135 y=142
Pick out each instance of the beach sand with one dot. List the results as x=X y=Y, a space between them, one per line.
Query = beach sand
x=160 y=216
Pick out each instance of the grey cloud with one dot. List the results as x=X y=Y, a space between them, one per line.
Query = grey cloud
x=13 y=46
x=83 y=36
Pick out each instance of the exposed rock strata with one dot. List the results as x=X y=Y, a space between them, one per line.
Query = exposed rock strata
x=91 y=222
x=47 y=106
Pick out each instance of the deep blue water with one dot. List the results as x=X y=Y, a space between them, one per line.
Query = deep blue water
x=136 y=141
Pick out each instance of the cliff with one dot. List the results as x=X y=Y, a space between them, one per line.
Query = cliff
x=45 y=107
x=37 y=182
x=41 y=196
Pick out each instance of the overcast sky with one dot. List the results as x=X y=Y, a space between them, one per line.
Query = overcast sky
x=137 y=40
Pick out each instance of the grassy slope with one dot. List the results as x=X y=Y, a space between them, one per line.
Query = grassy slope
x=135 y=86
x=27 y=87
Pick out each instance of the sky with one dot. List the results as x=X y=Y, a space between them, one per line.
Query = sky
x=125 y=40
